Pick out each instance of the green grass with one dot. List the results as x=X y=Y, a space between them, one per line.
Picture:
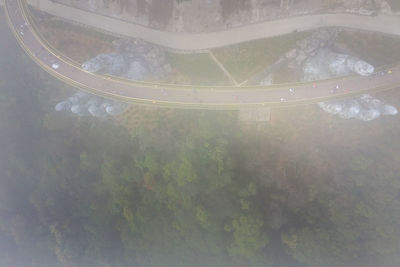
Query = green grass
x=68 y=26
x=375 y=48
x=242 y=60
x=197 y=69
x=286 y=75
x=74 y=41
x=394 y=4
x=246 y=59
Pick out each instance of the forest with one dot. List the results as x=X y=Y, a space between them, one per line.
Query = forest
x=189 y=187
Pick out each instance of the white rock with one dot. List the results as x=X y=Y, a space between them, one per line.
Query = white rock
x=114 y=109
x=113 y=64
x=327 y=64
x=73 y=100
x=63 y=106
x=97 y=112
x=389 y=110
x=368 y=115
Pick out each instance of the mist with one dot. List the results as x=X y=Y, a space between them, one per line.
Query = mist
x=197 y=171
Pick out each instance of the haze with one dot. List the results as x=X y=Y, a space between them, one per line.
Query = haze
x=199 y=133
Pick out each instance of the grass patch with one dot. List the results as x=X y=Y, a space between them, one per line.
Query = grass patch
x=377 y=49
x=286 y=75
x=196 y=69
x=81 y=43
x=231 y=6
x=394 y=4
x=76 y=42
x=246 y=59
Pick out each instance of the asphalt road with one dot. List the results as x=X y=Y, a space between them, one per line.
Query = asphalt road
x=184 y=96
x=202 y=41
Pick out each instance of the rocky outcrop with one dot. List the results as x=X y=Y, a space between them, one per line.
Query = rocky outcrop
x=85 y=104
x=365 y=108
x=316 y=59
x=295 y=58
x=308 y=47
x=149 y=55
x=133 y=59
x=327 y=64
x=113 y=64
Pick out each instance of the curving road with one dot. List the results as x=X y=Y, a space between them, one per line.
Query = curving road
x=187 y=96
x=200 y=41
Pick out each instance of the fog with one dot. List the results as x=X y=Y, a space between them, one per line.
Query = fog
x=90 y=181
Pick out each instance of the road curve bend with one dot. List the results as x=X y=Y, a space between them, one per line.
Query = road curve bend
x=388 y=24
x=222 y=97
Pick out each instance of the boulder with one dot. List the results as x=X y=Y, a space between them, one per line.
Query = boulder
x=113 y=64
x=326 y=64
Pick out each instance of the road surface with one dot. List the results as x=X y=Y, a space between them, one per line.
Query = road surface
x=191 y=42
x=188 y=96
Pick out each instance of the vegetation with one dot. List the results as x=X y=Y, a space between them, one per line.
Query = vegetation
x=197 y=69
x=242 y=60
x=231 y=6
x=192 y=188
x=395 y=5
x=374 y=48
x=69 y=38
x=247 y=59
